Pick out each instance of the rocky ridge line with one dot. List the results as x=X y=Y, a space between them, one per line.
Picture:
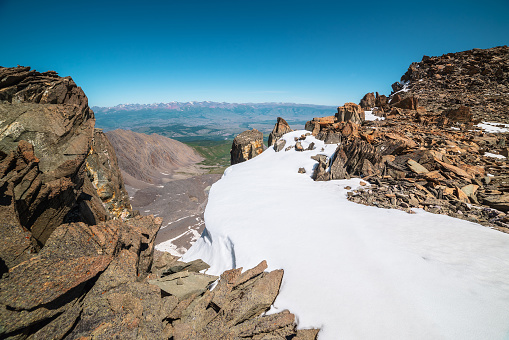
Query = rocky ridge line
x=427 y=153
x=477 y=79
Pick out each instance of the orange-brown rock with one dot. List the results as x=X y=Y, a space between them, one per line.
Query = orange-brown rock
x=408 y=103
x=368 y=101
x=461 y=114
x=246 y=145
x=350 y=112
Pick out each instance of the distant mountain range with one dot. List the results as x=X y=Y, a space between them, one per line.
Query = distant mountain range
x=189 y=121
x=179 y=106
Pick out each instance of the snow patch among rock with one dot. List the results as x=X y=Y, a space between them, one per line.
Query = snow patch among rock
x=357 y=272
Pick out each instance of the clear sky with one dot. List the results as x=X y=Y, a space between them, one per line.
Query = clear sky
x=318 y=52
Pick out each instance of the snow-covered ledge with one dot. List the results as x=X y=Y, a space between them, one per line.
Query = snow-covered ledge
x=357 y=272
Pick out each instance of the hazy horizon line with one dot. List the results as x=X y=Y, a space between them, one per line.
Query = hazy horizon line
x=212 y=101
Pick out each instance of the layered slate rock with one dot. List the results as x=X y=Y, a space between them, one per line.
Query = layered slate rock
x=232 y=310
x=72 y=283
x=428 y=153
x=246 y=145
x=355 y=158
x=279 y=130
x=477 y=79
x=49 y=116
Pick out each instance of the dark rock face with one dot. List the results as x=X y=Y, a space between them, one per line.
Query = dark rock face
x=279 y=130
x=355 y=158
x=74 y=281
x=368 y=101
x=247 y=145
x=47 y=117
x=409 y=103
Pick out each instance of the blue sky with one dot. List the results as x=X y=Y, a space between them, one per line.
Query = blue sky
x=318 y=52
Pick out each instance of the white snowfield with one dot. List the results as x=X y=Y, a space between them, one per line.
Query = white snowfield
x=492 y=127
x=356 y=272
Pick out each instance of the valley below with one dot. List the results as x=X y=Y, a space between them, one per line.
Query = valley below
x=170 y=154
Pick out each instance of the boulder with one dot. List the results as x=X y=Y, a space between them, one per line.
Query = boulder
x=338 y=170
x=246 y=145
x=350 y=112
x=320 y=171
x=350 y=159
x=416 y=167
x=368 y=101
x=279 y=130
x=279 y=145
x=194 y=266
x=396 y=86
x=499 y=202
x=408 y=103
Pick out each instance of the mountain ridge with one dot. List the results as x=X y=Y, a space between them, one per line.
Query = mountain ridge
x=212 y=104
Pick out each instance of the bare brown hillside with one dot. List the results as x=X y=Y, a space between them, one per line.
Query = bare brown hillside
x=153 y=159
x=164 y=179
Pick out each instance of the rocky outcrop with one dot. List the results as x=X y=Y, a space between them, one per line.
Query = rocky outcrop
x=105 y=187
x=355 y=158
x=146 y=157
x=46 y=138
x=350 y=112
x=427 y=153
x=368 y=101
x=101 y=281
x=87 y=280
x=477 y=79
x=318 y=123
x=279 y=130
x=246 y=145
x=433 y=167
x=408 y=103
x=231 y=310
